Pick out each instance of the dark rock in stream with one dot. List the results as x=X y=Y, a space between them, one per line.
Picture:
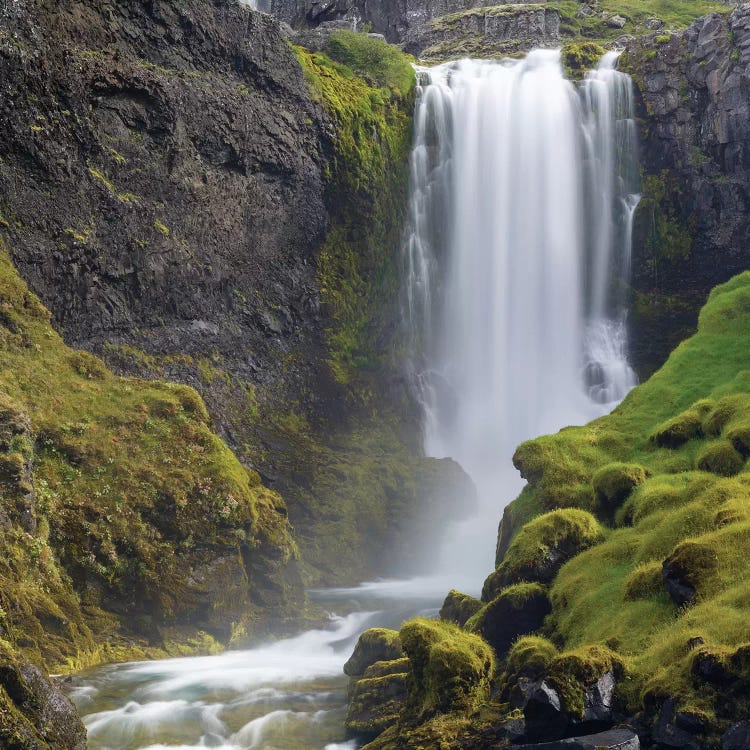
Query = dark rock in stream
x=613 y=739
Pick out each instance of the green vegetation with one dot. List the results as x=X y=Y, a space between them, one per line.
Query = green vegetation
x=675 y=14
x=542 y=546
x=659 y=600
x=107 y=484
x=578 y=57
x=366 y=87
x=450 y=669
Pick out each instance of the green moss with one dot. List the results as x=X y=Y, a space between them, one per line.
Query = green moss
x=542 y=546
x=579 y=57
x=366 y=193
x=450 y=670
x=644 y=581
x=613 y=483
x=374 y=645
x=459 y=607
x=720 y=458
x=697 y=521
x=685 y=426
x=125 y=474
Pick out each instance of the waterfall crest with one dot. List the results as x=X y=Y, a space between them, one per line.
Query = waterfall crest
x=523 y=189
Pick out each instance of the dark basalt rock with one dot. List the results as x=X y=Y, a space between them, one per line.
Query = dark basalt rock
x=613 y=739
x=547 y=717
x=516 y=611
x=691 y=226
x=676 y=731
x=737 y=737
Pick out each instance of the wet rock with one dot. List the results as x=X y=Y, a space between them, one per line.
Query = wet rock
x=517 y=610
x=374 y=645
x=543 y=713
x=493 y=29
x=694 y=143
x=459 y=607
x=669 y=733
x=613 y=739
x=737 y=737
x=376 y=702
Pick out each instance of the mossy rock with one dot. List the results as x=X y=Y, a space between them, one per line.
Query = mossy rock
x=375 y=703
x=517 y=610
x=739 y=436
x=687 y=425
x=34 y=715
x=451 y=669
x=580 y=57
x=689 y=570
x=374 y=645
x=723 y=412
x=644 y=582
x=720 y=458
x=613 y=484
x=459 y=607
x=529 y=658
x=574 y=672
x=543 y=546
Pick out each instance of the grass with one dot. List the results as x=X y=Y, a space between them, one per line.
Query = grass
x=667 y=472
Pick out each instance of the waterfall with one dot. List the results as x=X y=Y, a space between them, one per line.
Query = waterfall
x=523 y=189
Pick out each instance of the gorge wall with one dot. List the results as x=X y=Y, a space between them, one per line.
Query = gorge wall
x=190 y=205
x=692 y=225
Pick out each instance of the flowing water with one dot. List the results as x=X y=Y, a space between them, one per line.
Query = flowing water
x=523 y=190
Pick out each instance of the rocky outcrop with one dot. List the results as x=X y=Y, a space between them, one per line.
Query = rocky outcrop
x=165 y=184
x=693 y=221
x=34 y=715
x=483 y=31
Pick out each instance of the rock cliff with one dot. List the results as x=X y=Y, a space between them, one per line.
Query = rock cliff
x=692 y=225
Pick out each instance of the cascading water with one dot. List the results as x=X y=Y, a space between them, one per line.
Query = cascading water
x=523 y=192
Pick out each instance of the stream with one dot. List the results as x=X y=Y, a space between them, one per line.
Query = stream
x=288 y=694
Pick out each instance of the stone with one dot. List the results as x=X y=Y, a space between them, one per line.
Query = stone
x=612 y=739
x=374 y=645
x=459 y=607
x=668 y=732
x=616 y=22
x=737 y=737
x=517 y=610
x=543 y=713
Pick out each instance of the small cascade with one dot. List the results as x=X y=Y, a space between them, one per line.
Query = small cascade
x=523 y=189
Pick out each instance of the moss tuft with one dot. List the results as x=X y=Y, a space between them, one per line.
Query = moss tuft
x=579 y=57
x=613 y=483
x=450 y=670
x=720 y=458
x=685 y=426
x=542 y=546
x=644 y=581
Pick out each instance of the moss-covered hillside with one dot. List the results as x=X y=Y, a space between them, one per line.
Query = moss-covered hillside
x=122 y=513
x=623 y=567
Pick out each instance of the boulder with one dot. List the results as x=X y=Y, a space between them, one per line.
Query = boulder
x=459 y=607
x=374 y=645
x=517 y=610
x=613 y=739
x=737 y=737
x=616 y=22
x=376 y=700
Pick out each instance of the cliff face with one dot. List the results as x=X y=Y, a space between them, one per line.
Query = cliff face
x=692 y=225
x=169 y=188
